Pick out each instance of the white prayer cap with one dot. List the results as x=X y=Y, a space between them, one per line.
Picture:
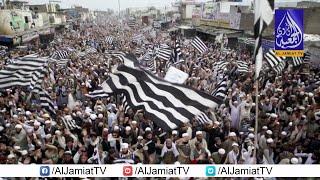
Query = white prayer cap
x=273 y=115
x=302 y=108
x=235 y=102
x=24 y=152
x=235 y=144
x=310 y=94
x=16 y=148
x=128 y=128
x=232 y=134
x=221 y=151
x=185 y=135
x=8 y=125
x=241 y=133
x=251 y=135
x=148 y=129
x=124 y=146
x=11 y=156
x=304 y=116
x=253 y=104
x=140 y=137
x=264 y=127
x=48 y=136
x=116 y=128
x=105 y=130
x=57 y=132
x=18 y=126
x=47 y=122
x=93 y=116
x=100 y=116
x=15 y=116
x=251 y=129
x=294 y=160
x=269 y=132
x=198 y=132
x=290 y=123
x=284 y=133
x=134 y=122
x=289 y=109
x=36 y=123
x=175 y=132
x=1 y=128
x=269 y=140
x=28 y=113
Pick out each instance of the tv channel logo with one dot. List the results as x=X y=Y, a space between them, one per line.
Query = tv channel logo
x=127 y=171
x=210 y=171
x=44 y=171
x=288 y=30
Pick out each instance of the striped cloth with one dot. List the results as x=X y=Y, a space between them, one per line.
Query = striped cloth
x=69 y=123
x=26 y=72
x=60 y=54
x=221 y=90
x=296 y=61
x=272 y=59
x=263 y=15
x=243 y=67
x=45 y=100
x=164 y=54
x=176 y=52
x=125 y=103
x=199 y=45
x=109 y=39
x=168 y=105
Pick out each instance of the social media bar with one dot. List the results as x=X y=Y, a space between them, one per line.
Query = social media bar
x=127 y=170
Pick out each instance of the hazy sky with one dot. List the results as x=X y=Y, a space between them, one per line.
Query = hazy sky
x=108 y=4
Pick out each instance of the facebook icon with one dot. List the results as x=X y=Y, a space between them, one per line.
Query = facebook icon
x=44 y=171
x=210 y=171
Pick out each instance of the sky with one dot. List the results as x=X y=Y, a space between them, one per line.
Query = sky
x=108 y=4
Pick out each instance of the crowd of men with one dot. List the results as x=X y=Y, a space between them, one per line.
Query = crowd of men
x=104 y=133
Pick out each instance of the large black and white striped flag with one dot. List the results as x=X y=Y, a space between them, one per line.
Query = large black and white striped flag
x=263 y=15
x=26 y=72
x=199 y=45
x=45 y=100
x=164 y=54
x=296 y=61
x=272 y=59
x=220 y=90
x=168 y=105
x=243 y=67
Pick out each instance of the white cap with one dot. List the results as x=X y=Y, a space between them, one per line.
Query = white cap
x=36 y=123
x=128 y=128
x=269 y=132
x=11 y=156
x=47 y=122
x=290 y=123
x=283 y=133
x=175 y=132
x=124 y=145
x=28 y=113
x=273 y=115
x=48 y=136
x=185 y=135
x=140 y=137
x=269 y=140
x=148 y=129
x=57 y=132
x=302 y=108
x=1 y=128
x=116 y=128
x=241 y=133
x=304 y=116
x=232 y=134
x=198 y=132
x=134 y=122
x=235 y=144
x=251 y=135
x=294 y=160
x=24 y=152
x=221 y=151
x=251 y=129
x=264 y=127
x=16 y=147
x=289 y=109
x=18 y=126
x=15 y=116
x=100 y=116
x=93 y=116
x=310 y=94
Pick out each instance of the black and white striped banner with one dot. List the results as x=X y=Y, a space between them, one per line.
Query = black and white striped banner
x=199 y=45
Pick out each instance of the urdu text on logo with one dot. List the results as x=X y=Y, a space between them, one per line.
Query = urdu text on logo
x=210 y=171
x=44 y=171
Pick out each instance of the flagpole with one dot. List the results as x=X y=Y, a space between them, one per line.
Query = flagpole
x=256 y=121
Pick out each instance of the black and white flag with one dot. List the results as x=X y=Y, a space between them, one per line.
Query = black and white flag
x=263 y=15
x=199 y=45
